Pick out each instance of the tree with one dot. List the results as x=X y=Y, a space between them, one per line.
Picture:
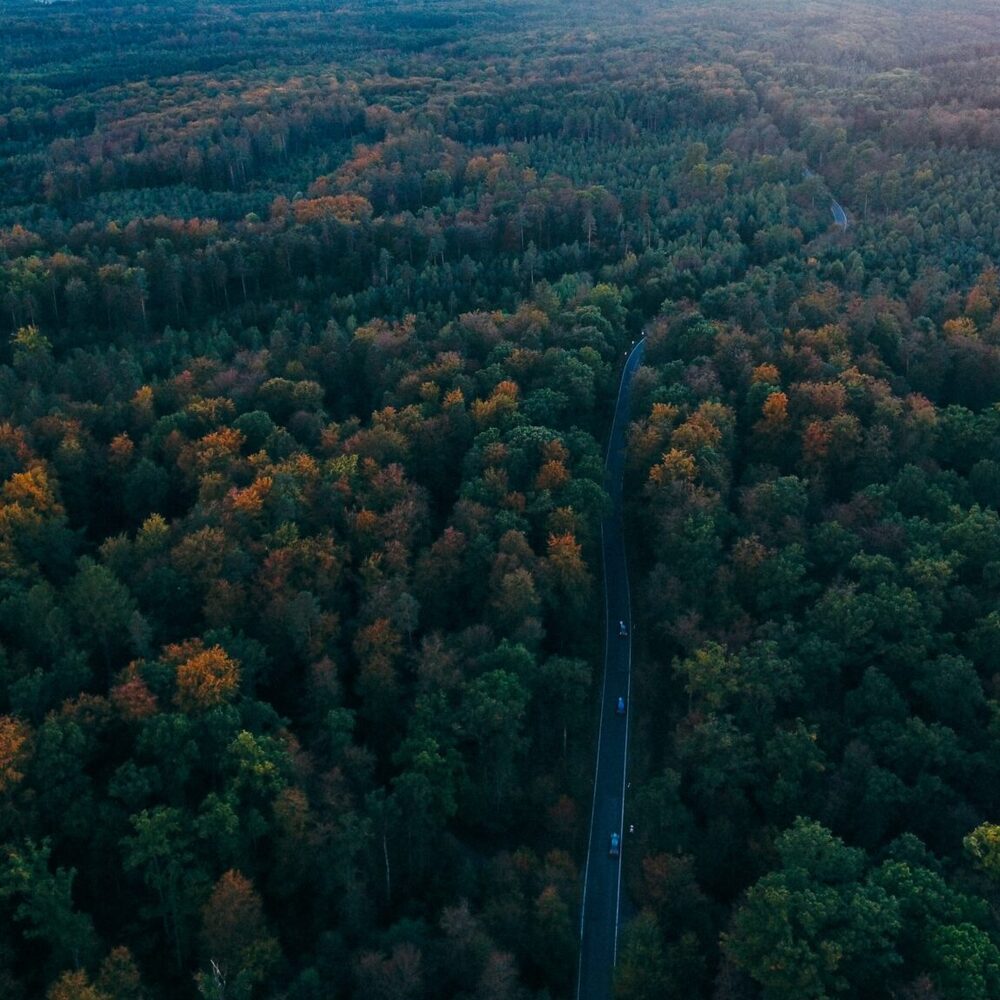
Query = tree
x=492 y=721
x=963 y=962
x=568 y=577
x=45 y=904
x=239 y=951
x=102 y=607
x=32 y=352
x=119 y=977
x=76 y=986
x=815 y=927
x=499 y=979
x=466 y=947
x=398 y=976
x=378 y=646
x=15 y=749
x=670 y=890
x=555 y=938
x=641 y=972
x=207 y=678
x=755 y=679
x=983 y=846
x=161 y=850
x=564 y=685
x=426 y=794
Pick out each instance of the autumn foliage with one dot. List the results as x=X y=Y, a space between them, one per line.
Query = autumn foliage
x=205 y=678
x=311 y=325
x=14 y=751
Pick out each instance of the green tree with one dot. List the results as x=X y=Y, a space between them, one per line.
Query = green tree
x=964 y=963
x=45 y=904
x=162 y=852
x=816 y=927
x=492 y=717
x=641 y=972
x=102 y=608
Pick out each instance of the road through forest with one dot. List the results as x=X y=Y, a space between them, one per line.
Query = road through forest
x=840 y=216
x=601 y=904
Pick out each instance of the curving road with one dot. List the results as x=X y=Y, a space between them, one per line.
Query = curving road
x=840 y=217
x=601 y=903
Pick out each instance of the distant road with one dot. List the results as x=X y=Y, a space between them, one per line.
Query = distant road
x=601 y=904
x=839 y=214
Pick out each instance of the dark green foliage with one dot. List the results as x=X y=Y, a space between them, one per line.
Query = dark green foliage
x=311 y=323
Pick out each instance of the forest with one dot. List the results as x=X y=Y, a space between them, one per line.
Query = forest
x=312 y=320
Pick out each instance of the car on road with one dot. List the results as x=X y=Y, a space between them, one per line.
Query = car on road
x=620 y=706
x=622 y=630
x=616 y=846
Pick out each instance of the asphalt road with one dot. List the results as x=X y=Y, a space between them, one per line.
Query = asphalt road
x=601 y=904
x=839 y=215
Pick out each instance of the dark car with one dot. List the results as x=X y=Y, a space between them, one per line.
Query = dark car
x=616 y=844
x=622 y=630
x=620 y=706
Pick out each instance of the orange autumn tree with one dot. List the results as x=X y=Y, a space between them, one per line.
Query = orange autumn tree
x=28 y=503
x=15 y=745
x=647 y=436
x=205 y=677
x=75 y=986
x=677 y=466
x=345 y=208
x=378 y=647
x=774 y=420
x=502 y=403
x=132 y=697
x=816 y=442
x=765 y=374
x=565 y=567
x=775 y=410
x=568 y=582
x=708 y=427
x=553 y=473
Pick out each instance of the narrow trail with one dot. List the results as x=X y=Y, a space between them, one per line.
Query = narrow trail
x=601 y=904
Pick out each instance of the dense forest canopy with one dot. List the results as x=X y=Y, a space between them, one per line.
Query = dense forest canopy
x=312 y=320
